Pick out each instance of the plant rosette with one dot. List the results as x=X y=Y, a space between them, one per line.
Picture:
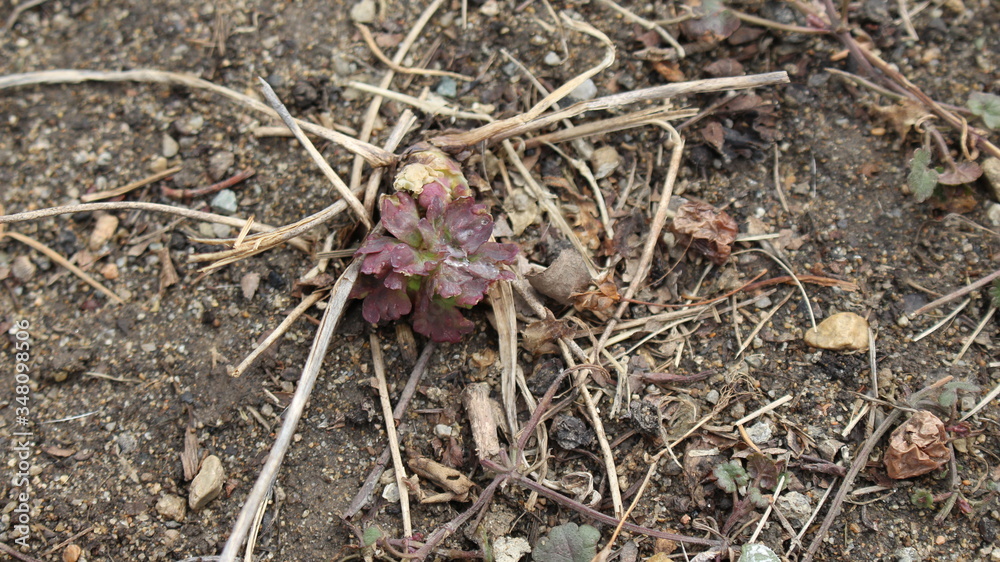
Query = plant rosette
x=437 y=257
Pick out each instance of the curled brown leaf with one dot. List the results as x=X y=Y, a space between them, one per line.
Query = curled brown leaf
x=706 y=229
x=917 y=447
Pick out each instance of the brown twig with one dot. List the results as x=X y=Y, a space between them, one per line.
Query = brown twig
x=201 y=191
x=956 y=294
x=366 y=34
x=16 y=554
x=58 y=258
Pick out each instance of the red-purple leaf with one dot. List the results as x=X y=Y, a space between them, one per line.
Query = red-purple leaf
x=965 y=172
x=385 y=304
x=439 y=320
x=400 y=218
x=469 y=223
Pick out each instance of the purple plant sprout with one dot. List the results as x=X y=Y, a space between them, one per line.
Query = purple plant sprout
x=436 y=257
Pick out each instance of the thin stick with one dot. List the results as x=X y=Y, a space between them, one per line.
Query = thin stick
x=278 y=332
x=955 y=294
x=17 y=554
x=629 y=15
x=366 y=34
x=57 y=547
x=984 y=402
x=761 y=411
x=338 y=184
x=438 y=108
x=369 y=123
x=202 y=191
x=310 y=372
x=521 y=124
x=943 y=321
x=975 y=333
x=763 y=321
x=390 y=431
x=237 y=222
x=777 y=182
x=20 y=9
x=364 y=494
x=59 y=259
x=373 y=154
x=767 y=512
x=655 y=228
x=904 y=14
x=115 y=192
x=795 y=278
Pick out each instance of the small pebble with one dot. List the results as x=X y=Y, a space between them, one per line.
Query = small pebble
x=605 y=161
x=170 y=506
x=391 y=493
x=158 y=164
x=712 y=397
x=490 y=8
x=442 y=430
x=364 y=11
x=585 y=91
x=104 y=229
x=448 y=87
x=109 y=271
x=760 y=432
x=207 y=485
x=23 y=268
x=170 y=147
x=991 y=171
x=225 y=201
x=552 y=59
x=843 y=331
x=189 y=126
x=104 y=159
x=220 y=163
x=993 y=213
x=71 y=553
x=940 y=539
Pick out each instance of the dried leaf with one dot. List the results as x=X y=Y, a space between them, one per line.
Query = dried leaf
x=601 y=301
x=714 y=135
x=902 y=116
x=707 y=229
x=537 y=338
x=724 y=67
x=917 y=447
x=965 y=172
x=57 y=451
x=922 y=179
x=713 y=22
x=566 y=275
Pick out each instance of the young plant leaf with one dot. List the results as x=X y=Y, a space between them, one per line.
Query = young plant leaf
x=922 y=179
x=567 y=543
x=757 y=553
x=986 y=106
x=371 y=535
x=730 y=476
x=922 y=498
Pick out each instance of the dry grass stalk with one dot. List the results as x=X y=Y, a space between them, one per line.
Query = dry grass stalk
x=390 y=432
x=59 y=259
x=122 y=190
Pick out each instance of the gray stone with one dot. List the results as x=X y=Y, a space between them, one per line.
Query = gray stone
x=225 y=201
x=760 y=432
x=170 y=148
x=173 y=507
x=605 y=161
x=585 y=91
x=828 y=448
x=991 y=171
x=23 y=268
x=447 y=87
x=993 y=213
x=207 y=485
x=907 y=554
x=189 y=126
x=712 y=397
x=552 y=59
x=220 y=163
x=364 y=11
x=796 y=507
